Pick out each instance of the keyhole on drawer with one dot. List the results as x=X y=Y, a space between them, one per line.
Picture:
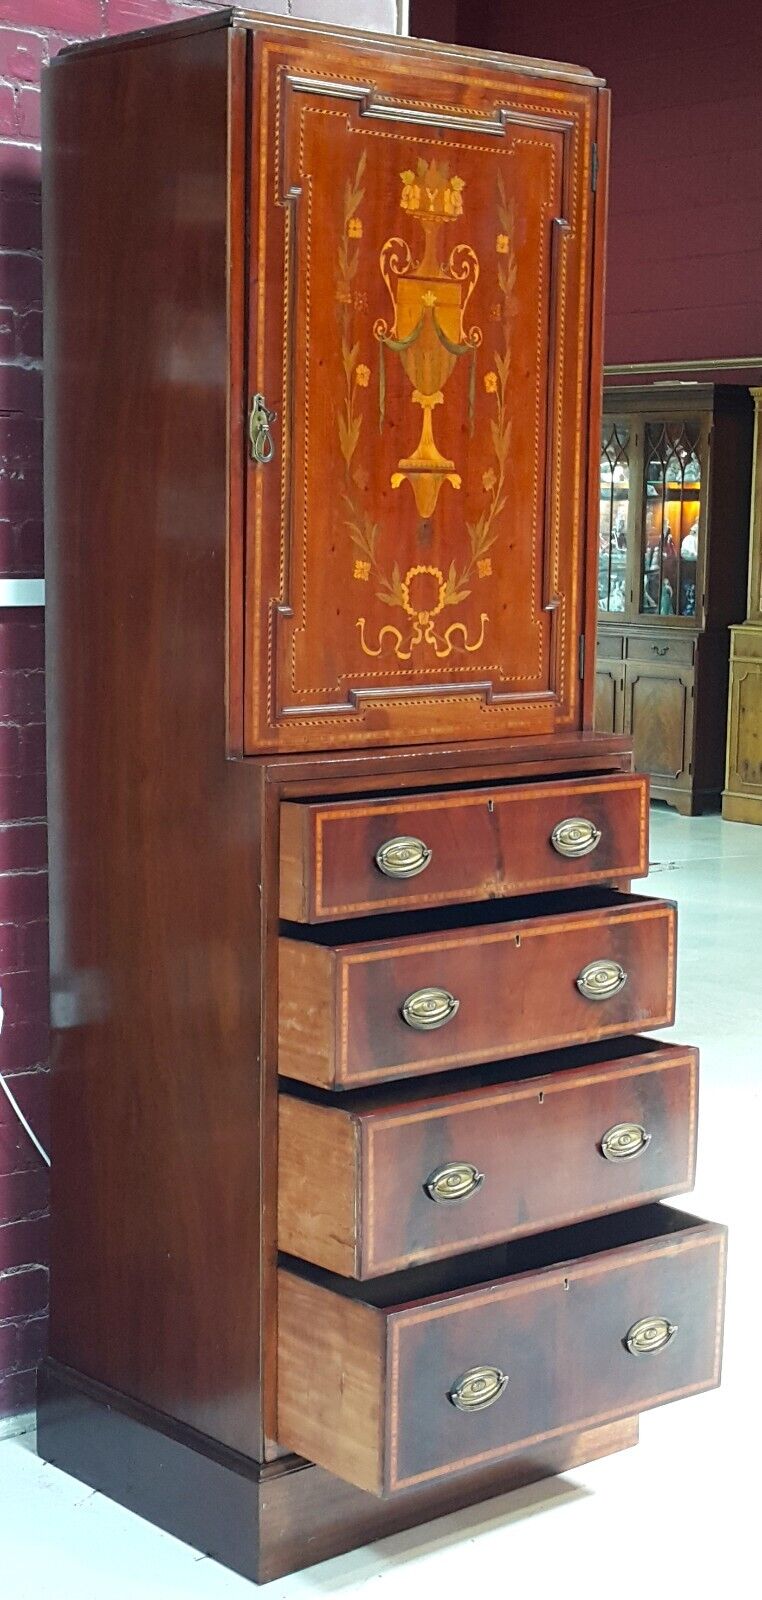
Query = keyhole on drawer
x=566 y=1285
x=518 y=941
x=490 y=805
x=541 y=1097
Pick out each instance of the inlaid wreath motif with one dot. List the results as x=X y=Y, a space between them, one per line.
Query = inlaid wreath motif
x=428 y=335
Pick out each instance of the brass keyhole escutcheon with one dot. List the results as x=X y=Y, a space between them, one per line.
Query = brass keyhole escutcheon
x=262 y=443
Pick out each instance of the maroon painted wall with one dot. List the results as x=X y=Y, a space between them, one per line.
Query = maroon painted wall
x=31 y=31
x=685 y=223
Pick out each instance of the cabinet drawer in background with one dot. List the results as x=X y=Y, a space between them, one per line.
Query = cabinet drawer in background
x=354 y=1009
x=384 y=1178
x=679 y=650
x=609 y=646
x=417 y=1376
x=345 y=858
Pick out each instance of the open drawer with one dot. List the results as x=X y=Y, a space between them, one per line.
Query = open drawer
x=414 y=1377
x=343 y=858
x=452 y=989
x=378 y=1179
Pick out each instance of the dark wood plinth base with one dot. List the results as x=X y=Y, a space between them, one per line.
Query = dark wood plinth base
x=263 y=1521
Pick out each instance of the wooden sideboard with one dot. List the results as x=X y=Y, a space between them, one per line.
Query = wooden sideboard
x=340 y=873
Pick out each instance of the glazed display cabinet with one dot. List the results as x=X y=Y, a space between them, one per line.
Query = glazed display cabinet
x=672 y=541
x=359 y=1141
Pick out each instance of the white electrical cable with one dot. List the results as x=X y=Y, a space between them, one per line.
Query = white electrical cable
x=15 y=1105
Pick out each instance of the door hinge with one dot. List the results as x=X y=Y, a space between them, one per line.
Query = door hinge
x=594 y=164
x=581 y=655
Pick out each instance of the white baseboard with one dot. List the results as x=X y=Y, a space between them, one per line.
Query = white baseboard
x=22 y=1422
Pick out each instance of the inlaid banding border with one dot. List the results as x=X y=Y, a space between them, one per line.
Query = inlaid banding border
x=547 y=1278
x=549 y=927
x=459 y=802
x=477 y=1101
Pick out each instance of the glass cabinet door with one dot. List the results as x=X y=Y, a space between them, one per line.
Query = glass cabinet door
x=614 y=516
x=671 y=505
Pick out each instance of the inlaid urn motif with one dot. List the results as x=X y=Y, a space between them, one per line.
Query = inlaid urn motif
x=427 y=332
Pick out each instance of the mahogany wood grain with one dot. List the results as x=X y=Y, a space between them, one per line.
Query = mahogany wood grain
x=266 y=1521
x=485 y=843
x=155 y=837
x=400 y=591
x=341 y=991
x=352 y=1171
x=553 y=1315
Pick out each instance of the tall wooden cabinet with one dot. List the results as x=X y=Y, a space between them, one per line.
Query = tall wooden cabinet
x=742 y=796
x=358 y=1141
x=674 y=497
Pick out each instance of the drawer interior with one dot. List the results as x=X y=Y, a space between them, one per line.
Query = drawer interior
x=414 y=790
x=481 y=1267
x=486 y=1076
x=445 y=919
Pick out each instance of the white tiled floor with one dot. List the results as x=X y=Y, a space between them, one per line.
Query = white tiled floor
x=677 y=1516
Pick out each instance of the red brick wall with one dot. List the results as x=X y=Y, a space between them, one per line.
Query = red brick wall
x=31 y=31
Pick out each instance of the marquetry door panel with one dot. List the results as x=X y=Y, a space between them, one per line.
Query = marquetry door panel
x=419 y=323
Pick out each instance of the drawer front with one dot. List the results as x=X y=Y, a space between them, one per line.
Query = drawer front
x=341 y=860
x=364 y=1192
x=475 y=995
x=391 y=1398
x=679 y=651
x=609 y=646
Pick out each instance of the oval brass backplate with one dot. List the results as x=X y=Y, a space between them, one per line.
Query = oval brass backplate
x=624 y=1141
x=650 y=1335
x=425 y=1009
x=456 y=1180
x=601 y=980
x=575 y=836
x=477 y=1388
x=403 y=857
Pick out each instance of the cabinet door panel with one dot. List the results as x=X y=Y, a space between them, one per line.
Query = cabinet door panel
x=659 y=715
x=609 y=697
x=420 y=306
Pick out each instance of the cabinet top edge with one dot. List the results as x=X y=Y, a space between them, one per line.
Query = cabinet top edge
x=684 y=395
x=236 y=17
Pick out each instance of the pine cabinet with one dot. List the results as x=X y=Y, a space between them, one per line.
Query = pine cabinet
x=671 y=577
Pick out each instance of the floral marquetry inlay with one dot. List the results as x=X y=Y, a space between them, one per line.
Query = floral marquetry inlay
x=421 y=328
x=428 y=332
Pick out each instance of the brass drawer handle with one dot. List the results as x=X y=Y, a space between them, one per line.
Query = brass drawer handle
x=624 y=1141
x=456 y=1180
x=601 y=980
x=575 y=836
x=650 y=1335
x=425 y=1009
x=260 y=418
x=478 y=1388
x=403 y=857
x=660 y=649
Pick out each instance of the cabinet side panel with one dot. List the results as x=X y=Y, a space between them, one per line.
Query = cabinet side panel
x=154 y=834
